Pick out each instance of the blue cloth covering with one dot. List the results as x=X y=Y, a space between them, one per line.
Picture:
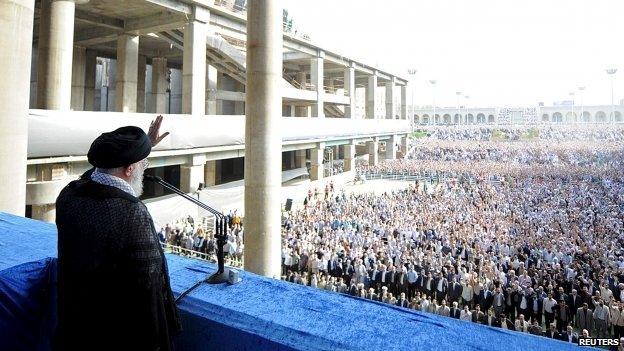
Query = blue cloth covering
x=256 y=314
x=27 y=308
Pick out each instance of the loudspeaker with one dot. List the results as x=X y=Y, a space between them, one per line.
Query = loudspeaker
x=288 y=204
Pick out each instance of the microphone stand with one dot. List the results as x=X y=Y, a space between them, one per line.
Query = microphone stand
x=221 y=223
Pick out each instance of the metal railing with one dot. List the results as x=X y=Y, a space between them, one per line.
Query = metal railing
x=426 y=176
x=181 y=251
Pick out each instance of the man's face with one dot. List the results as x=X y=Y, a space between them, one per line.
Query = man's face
x=136 y=176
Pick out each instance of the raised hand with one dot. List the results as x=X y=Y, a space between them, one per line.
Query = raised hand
x=154 y=131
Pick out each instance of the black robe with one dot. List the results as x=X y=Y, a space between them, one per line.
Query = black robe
x=113 y=284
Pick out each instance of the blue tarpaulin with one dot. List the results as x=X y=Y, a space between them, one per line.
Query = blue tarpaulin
x=256 y=314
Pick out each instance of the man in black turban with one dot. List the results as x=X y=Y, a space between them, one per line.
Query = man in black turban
x=113 y=284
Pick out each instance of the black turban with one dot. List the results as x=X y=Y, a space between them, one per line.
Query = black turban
x=119 y=148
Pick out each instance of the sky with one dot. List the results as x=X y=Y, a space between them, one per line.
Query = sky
x=497 y=52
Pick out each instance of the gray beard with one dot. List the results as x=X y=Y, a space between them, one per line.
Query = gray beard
x=136 y=181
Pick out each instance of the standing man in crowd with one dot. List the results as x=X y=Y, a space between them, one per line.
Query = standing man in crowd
x=113 y=283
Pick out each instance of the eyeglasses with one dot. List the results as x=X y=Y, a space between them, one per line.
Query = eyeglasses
x=145 y=163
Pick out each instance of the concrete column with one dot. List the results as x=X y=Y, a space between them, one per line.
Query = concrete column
x=349 y=86
x=192 y=173
x=301 y=111
x=79 y=62
x=141 y=84
x=302 y=78
x=404 y=145
x=391 y=148
x=126 y=77
x=316 y=158
x=371 y=93
x=316 y=78
x=239 y=108
x=373 y=152
x=390 y=99
x=45 y=213
x=190 y=177
x=90 y=72
x=194 y=65
x=159 y=85
x=292 y=162
x=210 y=173
x=47 y=173
x=220 y=86
x=54 y=65
x=300 y=158
x=16 y=26
x=263 y=138
x=349 y=157
x=211 y=90
x=403 y=101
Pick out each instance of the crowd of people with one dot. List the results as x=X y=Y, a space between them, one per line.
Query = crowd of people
x=195 y=237
x=608 y=133
x=540 y=252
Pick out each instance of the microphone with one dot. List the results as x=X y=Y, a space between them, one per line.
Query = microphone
x=221 y=223
x=152 y=178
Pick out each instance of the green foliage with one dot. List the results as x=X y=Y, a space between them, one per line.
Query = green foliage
x=419 y=134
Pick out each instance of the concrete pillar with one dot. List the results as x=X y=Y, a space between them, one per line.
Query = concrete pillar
x=220 y=86
x=403 y=101
x=239 y=108
x=54 y=65
x=79 y=61
x=210 y=173
x=141 y=84
x=390 y=99
x=126 y=77
x=90 y=73
x=404 y=145
x=349 y=157
x=190 y=177
x=300 y=158
x=349 y=86
x=16 y=26
x=194 y=65
x=46 y=173
x=301 y=111
x=109 y=71
x=159 y=85
x=371 y=93
x=316 y=158
x=192 y=173
x=373 y=152
x=391 y=148
x=211 y=90
x=292 y=161
x=263 y=138
x=45 y=213
x=316 y=78
x=302 y=78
